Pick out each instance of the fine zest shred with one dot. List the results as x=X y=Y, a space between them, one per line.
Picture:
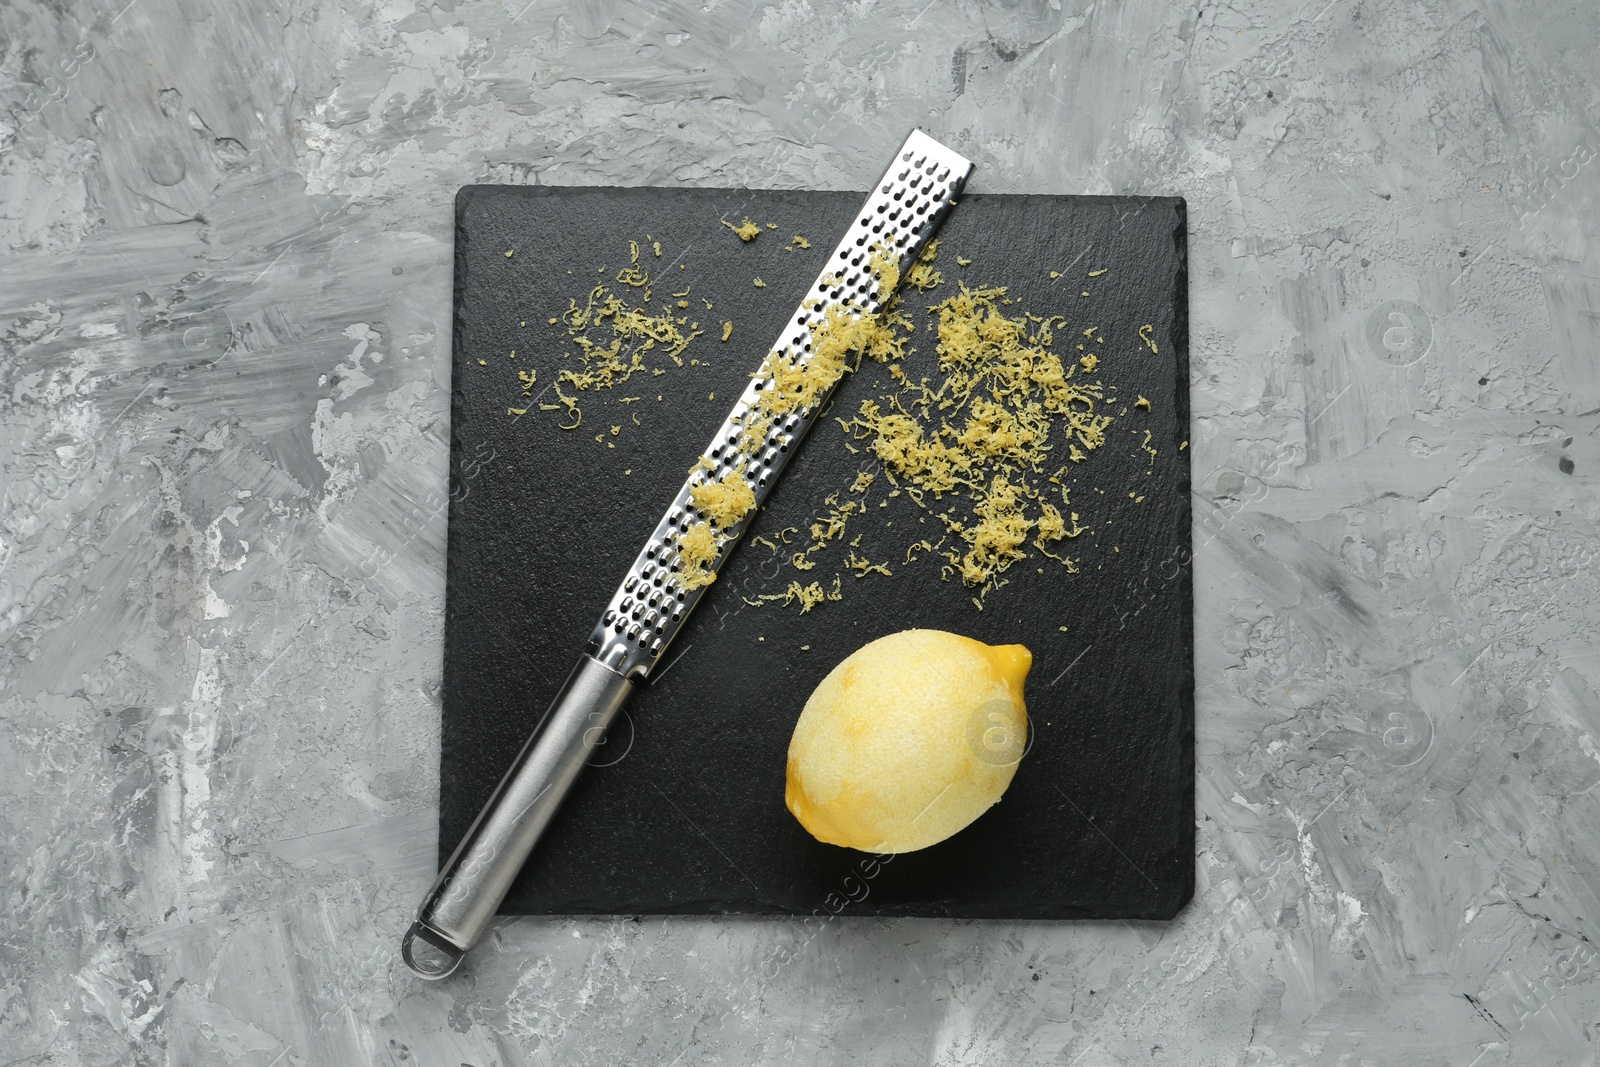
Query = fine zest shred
x=864 y=567
x=828 y=528
x=807 y=596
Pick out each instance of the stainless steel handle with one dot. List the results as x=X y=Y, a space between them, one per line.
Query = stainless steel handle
x=468 y=891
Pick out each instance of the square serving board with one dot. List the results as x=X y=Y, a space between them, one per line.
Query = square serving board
x=682 y=811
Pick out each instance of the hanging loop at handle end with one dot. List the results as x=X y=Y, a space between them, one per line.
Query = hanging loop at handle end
x=428 y=955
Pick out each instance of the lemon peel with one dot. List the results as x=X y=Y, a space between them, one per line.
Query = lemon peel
x=907 y=741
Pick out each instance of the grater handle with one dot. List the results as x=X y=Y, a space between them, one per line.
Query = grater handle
x=468 y=891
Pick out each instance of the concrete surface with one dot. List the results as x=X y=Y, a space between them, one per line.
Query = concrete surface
x=225 y=306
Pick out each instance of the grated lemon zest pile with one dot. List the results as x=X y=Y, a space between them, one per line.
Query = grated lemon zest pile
x=697 y=550
x=987 y=432
x=884 y=264
x=837 y=343
x=922 y=276
x=724 y=502
x=633 y=326
x=614 y=338
x=753 y=433
x=977 y=446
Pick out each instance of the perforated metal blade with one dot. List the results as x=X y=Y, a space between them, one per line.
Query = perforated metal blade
x=898 y=219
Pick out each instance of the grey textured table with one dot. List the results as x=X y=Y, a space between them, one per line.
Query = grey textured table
x=225 y=306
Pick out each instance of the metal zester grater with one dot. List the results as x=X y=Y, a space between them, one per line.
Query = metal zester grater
x=649 y=608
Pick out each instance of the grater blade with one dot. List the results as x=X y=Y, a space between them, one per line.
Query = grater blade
x=900 y=215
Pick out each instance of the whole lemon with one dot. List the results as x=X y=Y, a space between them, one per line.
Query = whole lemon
x=908 y=740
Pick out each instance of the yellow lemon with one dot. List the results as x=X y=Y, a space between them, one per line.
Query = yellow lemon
x=908 y=740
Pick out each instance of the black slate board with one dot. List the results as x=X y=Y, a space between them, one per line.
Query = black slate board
x=686 y=813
